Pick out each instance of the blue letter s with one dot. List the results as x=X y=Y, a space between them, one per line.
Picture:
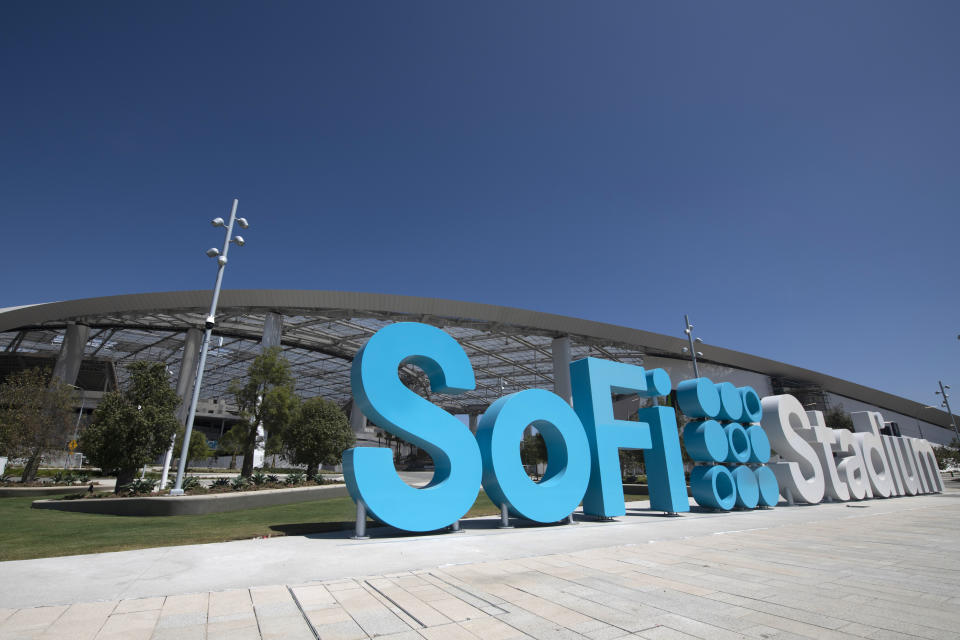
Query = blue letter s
x=378 y=391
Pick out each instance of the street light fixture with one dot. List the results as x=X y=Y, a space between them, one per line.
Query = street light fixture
x=209 y=322
x=688 y=329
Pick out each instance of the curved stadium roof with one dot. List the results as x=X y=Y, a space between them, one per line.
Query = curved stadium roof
x=322 y=330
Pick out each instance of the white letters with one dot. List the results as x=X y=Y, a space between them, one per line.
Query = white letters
x=801 y=475
x=819 y=461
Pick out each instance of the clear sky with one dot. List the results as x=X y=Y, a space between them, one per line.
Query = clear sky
x=786 y=173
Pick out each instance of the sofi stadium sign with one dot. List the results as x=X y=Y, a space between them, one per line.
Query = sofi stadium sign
x=729 y=437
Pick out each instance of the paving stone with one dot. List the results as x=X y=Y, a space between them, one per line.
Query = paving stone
x=80 y=622
x=139 y=604
x=278 y=615
x=135 y=625
x=373 y=616
x=30 y=622
x=492 y=629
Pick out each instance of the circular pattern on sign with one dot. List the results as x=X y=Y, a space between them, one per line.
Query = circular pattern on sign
x=748 y=490
x=752 y=408
x=759 y=444
x=706 y=441
x=738 y=442
x=713 y=487
x=698 y=398
x=769 y=487
x=731 y=405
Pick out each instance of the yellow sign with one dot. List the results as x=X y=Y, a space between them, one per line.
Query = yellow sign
x=72 y=445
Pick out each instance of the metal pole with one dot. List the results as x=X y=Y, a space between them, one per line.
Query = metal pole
x=76 y=428
x=946 y=403
x=504 y=517
x=360 y=527
x=688 y=329
x=208 y=324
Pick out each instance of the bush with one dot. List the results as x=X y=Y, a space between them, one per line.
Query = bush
x=273 y=479
x=239 y=483
x=139 y=486
x=221 y=482
x=259 y=478
x=295 y=478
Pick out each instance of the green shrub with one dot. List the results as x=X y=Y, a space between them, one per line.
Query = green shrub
x=259 y=478
x=239 y=483
x=221 y=482
x=295 y=478
x=139 y=486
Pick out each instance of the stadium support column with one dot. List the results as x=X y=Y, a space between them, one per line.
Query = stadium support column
x=473 y=423
x=358 y=424
x=561 y=368
x=71 y=353
x=188 y=373
x=272 y=332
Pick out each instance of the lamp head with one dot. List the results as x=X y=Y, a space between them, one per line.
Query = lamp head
x=239 y=241
x=243 y=223
x=698 y=340
x=213 y=252
x=218 y=222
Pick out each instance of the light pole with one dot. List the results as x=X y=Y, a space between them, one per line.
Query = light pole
x=208 y=324
x=688 y=329
x=76 y=427
x=946 y=403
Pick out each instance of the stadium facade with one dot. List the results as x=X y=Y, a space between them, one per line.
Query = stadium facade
x=87 y=342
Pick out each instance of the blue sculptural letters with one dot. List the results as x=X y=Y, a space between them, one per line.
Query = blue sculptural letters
x=369 y=472
x=593 y=381
x=568 y=457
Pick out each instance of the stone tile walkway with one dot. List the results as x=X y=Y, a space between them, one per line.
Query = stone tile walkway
x=862 y=574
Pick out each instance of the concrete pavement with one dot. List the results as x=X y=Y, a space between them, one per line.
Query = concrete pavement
x=876 y=569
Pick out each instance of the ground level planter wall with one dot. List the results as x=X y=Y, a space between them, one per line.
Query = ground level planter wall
x=194 y=505
x=26 y=492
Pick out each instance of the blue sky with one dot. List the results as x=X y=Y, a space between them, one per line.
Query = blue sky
x=786 y=173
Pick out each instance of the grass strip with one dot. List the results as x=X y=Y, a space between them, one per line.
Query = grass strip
x=27 y=533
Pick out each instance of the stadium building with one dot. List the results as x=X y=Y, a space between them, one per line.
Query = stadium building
x=87 y=342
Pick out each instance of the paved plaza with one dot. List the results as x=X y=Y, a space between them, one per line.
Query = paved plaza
x=873 y=569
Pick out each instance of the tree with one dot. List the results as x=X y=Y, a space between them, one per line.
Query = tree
x=264 y=398
x=319 y=435
x=36 y=414
x=948 y=455
x=132 y=427
x=232 y=443
x=274 y=446
x=533 y=450
x=631 y=462
x=198 y=450
x=837 y=418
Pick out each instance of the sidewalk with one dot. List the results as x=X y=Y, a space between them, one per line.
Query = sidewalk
x=880 y=568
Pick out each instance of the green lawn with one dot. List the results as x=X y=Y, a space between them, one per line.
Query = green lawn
x=42 y=533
